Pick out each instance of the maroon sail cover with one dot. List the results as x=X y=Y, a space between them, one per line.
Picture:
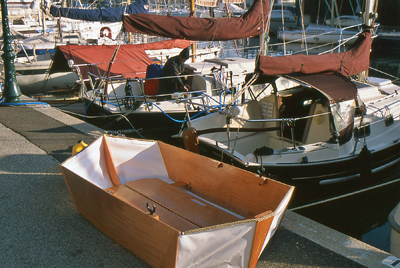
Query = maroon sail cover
x=351 y=62
x=251 y=23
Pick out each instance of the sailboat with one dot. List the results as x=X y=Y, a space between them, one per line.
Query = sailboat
x=117 y=87
x=77 y=26
x=129 y=105
x=310 y=125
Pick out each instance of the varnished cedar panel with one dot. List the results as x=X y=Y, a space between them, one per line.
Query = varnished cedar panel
x=147 y=237
x=171 y=256
x=235 y=189
x=202 y=214
x=260 y=234
x=112 y=170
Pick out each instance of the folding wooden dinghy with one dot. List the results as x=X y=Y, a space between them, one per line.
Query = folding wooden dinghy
x=174 y=208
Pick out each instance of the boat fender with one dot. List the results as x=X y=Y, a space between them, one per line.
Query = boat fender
x=365 y=161
x=263 y=151
x=191 y=140
x=152 y=211
x=108 y=30
x=78 y=147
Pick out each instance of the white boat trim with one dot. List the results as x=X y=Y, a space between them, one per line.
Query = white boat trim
x=395 y=225
x=346 y=195
x=325 y=182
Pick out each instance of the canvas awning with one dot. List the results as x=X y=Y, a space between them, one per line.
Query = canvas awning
x=353 y=61
x=131 y=60
x=250 y=24
x=335 y=87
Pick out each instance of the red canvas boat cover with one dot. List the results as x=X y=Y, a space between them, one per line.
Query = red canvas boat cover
x=334 y=86
x=353 y=61
x=251 y=23
x=166 y=44
x=131 y=61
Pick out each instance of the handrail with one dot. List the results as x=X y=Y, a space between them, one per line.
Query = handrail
x=145 y=79
x=139 y=80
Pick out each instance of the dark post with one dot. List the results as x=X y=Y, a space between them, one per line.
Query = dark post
x=11 y=91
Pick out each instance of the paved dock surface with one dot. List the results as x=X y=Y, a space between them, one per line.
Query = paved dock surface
x=40 y=227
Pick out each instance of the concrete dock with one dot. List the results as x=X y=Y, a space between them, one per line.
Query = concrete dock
x=40 y=227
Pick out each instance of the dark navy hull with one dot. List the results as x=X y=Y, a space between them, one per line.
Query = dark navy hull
x=148 y=125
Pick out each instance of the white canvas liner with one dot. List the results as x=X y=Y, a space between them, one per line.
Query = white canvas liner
x=135 y=160
x=231 y=247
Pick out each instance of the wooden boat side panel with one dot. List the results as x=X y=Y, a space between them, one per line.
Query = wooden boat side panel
x=182 y=203
x=112 y=170
x=235 y=189
x=171 y=257
x=260 y=235
x=144 y=235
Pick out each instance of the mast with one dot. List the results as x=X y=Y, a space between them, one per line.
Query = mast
x=128 y=2
x=369 y=14
x=193 y=14
x=368 y=17
x=332 y=13
x=265 y=35
x=42 y=17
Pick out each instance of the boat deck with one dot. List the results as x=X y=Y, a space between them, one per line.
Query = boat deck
x=42 y=228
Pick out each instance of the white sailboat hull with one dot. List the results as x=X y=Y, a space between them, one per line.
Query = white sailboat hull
x=41 y=83
x=394 y=220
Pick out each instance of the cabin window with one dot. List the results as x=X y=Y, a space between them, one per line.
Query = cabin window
x=343 y=114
